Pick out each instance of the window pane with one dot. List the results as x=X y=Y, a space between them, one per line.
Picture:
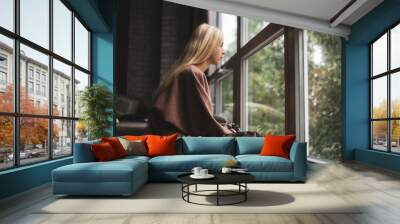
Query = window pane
x=251 y=27
x=395 y=47
x=33 y=139
x=7 y=14
x=379 y=55
x=34 y=72
x=379 y=135
x=266 y=90
x=212 y=94
x=81 y=81
x=35 y=21
x=324 y=95
x=81 y=131
x=227 y=97
x=6 y=74
x=395 y=94
x=62 y=138
x=62 y=29
x=6 y=142
x=379 y=98
x=395 y=138
x=62 y=89
x=228 y=25
x=81 y=45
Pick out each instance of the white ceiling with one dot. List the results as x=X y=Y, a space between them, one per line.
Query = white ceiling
x=320 y=9
x=313 y=15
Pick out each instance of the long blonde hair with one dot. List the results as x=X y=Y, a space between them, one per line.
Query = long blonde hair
x=202 y=44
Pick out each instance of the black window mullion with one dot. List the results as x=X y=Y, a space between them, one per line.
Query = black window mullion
x=389 y=106
x=16 y=85
x=73 y=82
x=50 y=81
x=371 y=124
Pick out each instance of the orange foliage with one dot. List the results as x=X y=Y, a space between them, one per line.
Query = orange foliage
x=33 y=130
x=380 y=127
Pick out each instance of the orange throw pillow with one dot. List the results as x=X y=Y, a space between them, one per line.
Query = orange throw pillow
x=116 y=145
x=103 y=151
x=277 y=145
x=161 y=145
x=135 y=137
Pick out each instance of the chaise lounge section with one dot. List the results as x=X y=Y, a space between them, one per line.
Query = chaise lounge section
x=125 y=176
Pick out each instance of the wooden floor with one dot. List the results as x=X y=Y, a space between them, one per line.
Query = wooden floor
x=351 y=181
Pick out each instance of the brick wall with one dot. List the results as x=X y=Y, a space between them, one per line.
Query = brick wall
x=156 y=34
x=143 y=63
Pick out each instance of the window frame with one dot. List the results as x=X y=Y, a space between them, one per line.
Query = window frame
x=16 y=114
x=388 y=74
x=238 y=63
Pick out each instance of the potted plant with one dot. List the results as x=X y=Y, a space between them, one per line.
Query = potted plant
x=96 y=103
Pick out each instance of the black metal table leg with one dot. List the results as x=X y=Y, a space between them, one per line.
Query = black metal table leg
x=245 y=194
x=196 y=188
x=217 y=194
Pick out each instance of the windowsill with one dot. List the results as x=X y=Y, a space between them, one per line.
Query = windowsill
x=379 y=151
x=17 y=169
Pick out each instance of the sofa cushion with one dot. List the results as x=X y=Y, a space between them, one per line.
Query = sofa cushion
x=277 y=145
x=249 y=145
x=135 y=147
x=185 y=163
x=111 y=171
x=116 y=145
x=103 y=152
x=207 y=145
x=159 y=145
x=257 y=163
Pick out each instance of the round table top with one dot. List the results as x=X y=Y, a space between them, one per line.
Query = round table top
x=220 y=178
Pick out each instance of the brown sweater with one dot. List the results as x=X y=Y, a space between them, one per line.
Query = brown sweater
x=185 y=107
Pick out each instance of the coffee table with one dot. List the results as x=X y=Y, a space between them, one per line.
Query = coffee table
x=238 y=179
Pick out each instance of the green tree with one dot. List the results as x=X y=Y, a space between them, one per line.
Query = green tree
x=97 y=102
x=266 y=89
x=324 y=83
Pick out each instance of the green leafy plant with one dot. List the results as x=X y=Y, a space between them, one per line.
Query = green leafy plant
x=96 y=102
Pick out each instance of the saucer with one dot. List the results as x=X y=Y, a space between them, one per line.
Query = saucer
x=208 y=176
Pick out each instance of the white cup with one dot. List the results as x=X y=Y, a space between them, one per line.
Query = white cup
x=203 y=172
x=196 y=171
x=226 y=170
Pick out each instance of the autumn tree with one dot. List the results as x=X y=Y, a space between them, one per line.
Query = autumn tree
x=33 y=131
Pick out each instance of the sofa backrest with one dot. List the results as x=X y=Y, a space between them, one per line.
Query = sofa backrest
x=83 y=152
x=249 y=145
x=206 y=145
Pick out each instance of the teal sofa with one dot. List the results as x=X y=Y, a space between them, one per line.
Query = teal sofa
x=125 y=176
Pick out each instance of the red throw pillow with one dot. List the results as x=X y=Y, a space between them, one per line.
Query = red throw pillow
x=161 y=145
x=103 y=151
x=277 y=145
x=116 y=145
x=136 y=137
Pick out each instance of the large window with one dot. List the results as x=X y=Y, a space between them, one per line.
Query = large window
x=265 y=89
x=37 y=66
x=385 y=92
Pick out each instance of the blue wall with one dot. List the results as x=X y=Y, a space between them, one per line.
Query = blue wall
x=100 y=16
x=355 y=84
x=103 y=54
x=24 y=178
